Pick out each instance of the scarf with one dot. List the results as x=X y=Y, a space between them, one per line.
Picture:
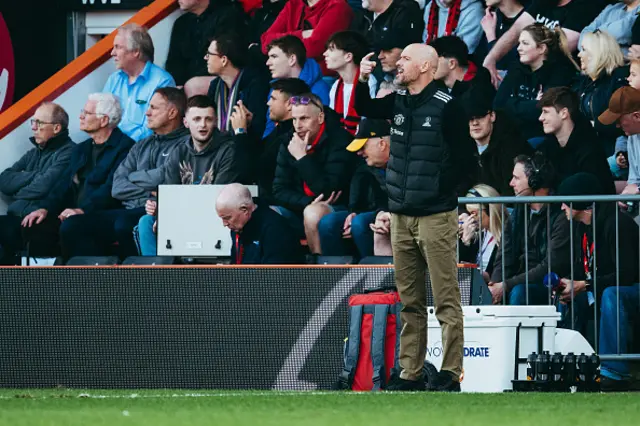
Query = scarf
x=225 y=100
x=310 y=150
x=352 y=119
x=452 y=20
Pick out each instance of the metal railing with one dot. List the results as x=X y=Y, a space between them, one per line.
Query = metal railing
x=568 y=200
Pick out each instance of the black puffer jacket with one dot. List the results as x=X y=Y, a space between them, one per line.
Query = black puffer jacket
x=327 y=169
x=517 y=95
x=432 y=156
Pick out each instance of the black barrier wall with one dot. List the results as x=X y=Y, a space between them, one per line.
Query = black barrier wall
x=226 y=328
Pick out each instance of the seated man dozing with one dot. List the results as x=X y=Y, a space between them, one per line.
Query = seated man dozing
x=368 y=194
x=259 y=235
x=314 y=169
x=531 y=177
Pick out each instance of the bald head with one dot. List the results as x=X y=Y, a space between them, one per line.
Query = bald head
x=235 y=206
x=417 y=67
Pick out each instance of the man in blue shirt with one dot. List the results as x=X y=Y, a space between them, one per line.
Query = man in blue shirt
x=137 y=78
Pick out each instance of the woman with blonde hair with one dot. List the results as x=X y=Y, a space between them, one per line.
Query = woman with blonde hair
x=603 y=72
x=545 y=62
x=482 y=227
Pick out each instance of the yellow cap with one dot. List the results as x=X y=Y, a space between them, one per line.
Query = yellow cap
x=357 y=144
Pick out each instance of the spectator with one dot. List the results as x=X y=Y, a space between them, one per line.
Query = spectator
x=368 y=194
x=497 y=138
x=571 y=144
x=570 y=16
x=28 y=182
x=314 y=168
x=344 y=52
x=624 y=110
x=500 y=15
x=481 y=227
x=454 y=17
x=85 y=186
x=312 y=21
x=207 y=157
x=531 y=177
x=259 y=235
x=288 y=59
x=602 y=63
x=617 y=20
x=226 y=59
x=137 y=78
x=544 y=63
x=201 y=20
x=455 y=69
x=262 y=168
x=393 y=16
x=614 y=281
x=263 y=18
x=134 y=182
x=389 y=49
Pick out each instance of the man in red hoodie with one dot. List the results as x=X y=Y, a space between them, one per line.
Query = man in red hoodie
x=313 y=21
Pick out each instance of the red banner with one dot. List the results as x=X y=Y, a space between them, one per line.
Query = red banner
x=7 y=74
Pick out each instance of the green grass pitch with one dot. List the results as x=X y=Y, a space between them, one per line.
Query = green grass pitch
x=168 y=407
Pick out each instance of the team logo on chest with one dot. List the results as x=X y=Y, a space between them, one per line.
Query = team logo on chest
x=398 y=119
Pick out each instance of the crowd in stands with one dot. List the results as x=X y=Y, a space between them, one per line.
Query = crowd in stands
x=295 y=96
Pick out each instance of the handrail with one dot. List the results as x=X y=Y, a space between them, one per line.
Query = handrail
x=547 y=199
x=77 y=69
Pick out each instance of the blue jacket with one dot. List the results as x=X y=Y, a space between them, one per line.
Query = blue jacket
x=312 y=75
x=97 y=184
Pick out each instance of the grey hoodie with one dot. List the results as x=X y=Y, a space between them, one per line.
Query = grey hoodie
x=31 y=178
x=144 y=168
x=468 y=29
x=214 y=165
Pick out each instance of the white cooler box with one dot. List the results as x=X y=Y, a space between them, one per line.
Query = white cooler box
x=490 y=334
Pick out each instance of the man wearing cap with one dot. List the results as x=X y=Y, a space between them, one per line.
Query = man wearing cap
x=368 y=194
x=389 y=47
x=610 y=257
x=624 y=109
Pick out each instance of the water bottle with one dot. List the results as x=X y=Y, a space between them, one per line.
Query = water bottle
x=531 y=366
x=542 y=367
x=551 y=280
x=556 y=368
x=594 y=360
x=569 y=369
x=583 y=369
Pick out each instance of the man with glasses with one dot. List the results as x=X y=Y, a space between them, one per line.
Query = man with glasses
x=314 y=169
x=85 y=186
x=28 y=182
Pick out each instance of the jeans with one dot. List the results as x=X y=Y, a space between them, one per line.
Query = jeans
x=147 y=239
x=629 y=313
x=93 y=234
x=331 y=226
x=538 y=295
x=581 y=314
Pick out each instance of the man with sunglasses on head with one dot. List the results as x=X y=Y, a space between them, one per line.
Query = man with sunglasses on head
x=29 y=181
x=314 y=169
x=429 y=145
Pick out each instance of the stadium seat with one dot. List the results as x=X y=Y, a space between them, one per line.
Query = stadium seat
x=334 y=260
x=376 y=260
x=149 y=260
x=93 y=260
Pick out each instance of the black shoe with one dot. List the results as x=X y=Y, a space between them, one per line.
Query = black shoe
x=402 y=385
x=444 y=381
x=611 y=385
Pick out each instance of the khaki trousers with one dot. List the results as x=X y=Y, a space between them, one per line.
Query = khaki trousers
x=419 y=243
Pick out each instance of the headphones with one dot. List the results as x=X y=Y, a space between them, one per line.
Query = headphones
x=539 y=172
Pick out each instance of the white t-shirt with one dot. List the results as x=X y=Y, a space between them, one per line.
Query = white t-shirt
x=347 y=89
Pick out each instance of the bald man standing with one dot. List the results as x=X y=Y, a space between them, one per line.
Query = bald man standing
x=427 y=139
x=259 y=235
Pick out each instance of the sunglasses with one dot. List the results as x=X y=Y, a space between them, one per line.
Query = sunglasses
x=305 y=100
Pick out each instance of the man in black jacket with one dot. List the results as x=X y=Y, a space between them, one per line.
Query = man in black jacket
x=259 y=235
x=393 y=16
x=428 y=145
x=610 y=259
x=30 y=179
x=368 y=194
x=571 y=144
x=314 y=169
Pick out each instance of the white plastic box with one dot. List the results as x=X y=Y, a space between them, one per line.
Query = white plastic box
x=490 y=342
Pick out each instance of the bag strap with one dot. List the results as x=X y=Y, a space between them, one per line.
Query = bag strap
x=377 y=344
x=352 y=350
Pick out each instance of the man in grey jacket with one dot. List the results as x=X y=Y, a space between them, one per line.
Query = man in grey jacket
x=136 y=179
x=28 y=182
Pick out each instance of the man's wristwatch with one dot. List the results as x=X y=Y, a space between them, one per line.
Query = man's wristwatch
x=240 y=131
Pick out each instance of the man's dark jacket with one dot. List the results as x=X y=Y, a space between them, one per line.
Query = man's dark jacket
x=431 y=156
x=327 y=169
x=267 y=239
x=31 y=178
x=97 y=184
x=368 y=190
